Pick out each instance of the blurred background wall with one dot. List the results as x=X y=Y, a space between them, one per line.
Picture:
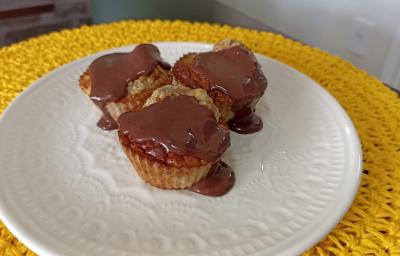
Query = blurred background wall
x=21 y=19
x=365 y=32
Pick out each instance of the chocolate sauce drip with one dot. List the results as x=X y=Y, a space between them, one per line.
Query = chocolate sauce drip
x=218 y=181
x=250 y=124
x=181 y=125
x=235 y=72
x=110 y=75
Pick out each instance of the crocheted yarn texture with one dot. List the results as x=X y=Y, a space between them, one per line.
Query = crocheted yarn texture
x=372 y=225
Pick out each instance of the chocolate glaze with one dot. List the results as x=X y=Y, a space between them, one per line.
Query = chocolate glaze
x=235 y=72
x=110 y=75
x=218 y=181
x=248 y=121
x=181 y=125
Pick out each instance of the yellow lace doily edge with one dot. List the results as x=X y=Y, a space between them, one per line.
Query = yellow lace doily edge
x=372 y=225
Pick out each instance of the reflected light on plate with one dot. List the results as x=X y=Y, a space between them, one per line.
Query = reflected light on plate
x=261 y=166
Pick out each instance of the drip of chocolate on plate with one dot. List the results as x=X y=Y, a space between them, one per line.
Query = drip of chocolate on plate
x=235 y=72
x=184 y=127
x=110 y=75
x=218 y=181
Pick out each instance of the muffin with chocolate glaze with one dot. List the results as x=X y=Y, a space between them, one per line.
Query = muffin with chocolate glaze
x=121 y=82
x=232 y=77
x=175 y=139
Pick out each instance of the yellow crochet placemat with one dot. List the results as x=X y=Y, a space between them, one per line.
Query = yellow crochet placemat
x=372 y=225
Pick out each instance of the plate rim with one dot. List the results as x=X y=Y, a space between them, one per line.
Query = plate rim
x=22 y=233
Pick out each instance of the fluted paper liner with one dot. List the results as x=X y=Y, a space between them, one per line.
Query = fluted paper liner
x=163 y=176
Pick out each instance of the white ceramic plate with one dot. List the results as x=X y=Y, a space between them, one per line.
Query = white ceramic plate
x=66 y=188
